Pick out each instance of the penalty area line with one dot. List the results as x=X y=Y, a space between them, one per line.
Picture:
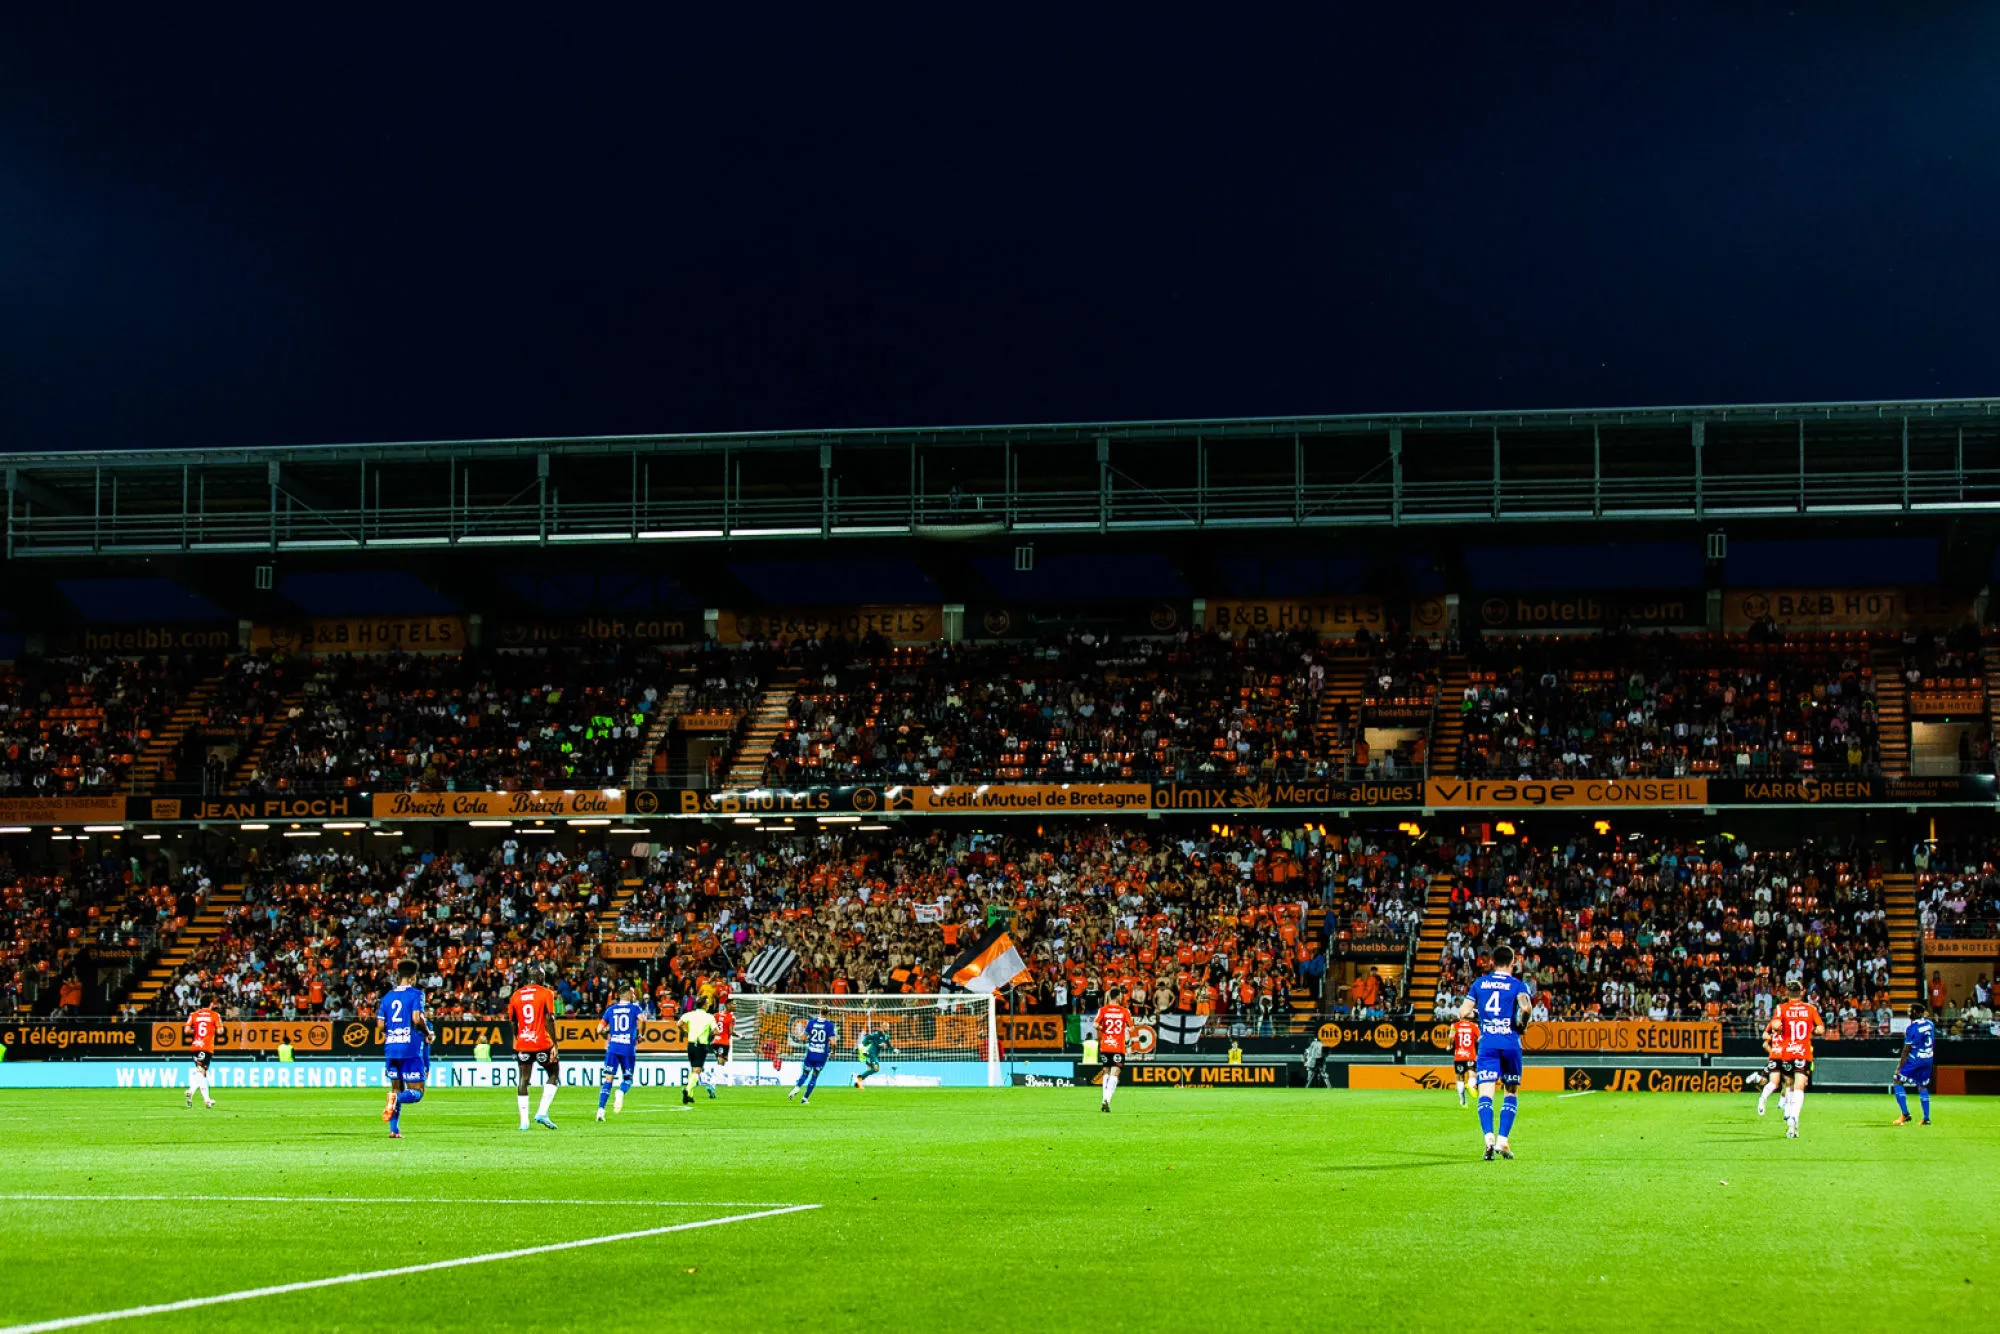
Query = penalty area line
x=1583 y=1094
x=339 y=1280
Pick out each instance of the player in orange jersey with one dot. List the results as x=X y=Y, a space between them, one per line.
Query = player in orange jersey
x=1769 y=1078
x=1464 y=1054
x=1114 y=1026
x=533 y=1011
x=204 y=1030
x=1798 y=1023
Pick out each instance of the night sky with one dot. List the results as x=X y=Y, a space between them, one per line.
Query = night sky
x=272 y=225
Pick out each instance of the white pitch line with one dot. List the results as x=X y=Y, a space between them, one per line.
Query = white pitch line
x=1584 y=1094
x=386 y=1199
x=338 y=1280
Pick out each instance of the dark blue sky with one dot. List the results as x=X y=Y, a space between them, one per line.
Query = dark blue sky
x=272 y=226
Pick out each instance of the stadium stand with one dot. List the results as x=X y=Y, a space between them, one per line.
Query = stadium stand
x=474 y=721
x=1085 y=706
x=1669 y=706
x=320 y=933
x=77 y=724
x=1671 y=931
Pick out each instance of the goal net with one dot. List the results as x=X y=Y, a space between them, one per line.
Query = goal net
x=958 y=1027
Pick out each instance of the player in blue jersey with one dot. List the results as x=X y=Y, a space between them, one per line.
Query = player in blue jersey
x=1500 y=1002
x=819 y=1045
x=1916 y=1069
x=620 y=1030
x=406 y=1036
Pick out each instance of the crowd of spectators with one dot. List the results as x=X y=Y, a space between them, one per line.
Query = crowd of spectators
x=1669 y=706
x=1079 y=707
x=478 y=721
x=48 y=916
x=319 y=933
x=71 y=725
x=1224 y=924
x=1958 y=889
x=1668 y=930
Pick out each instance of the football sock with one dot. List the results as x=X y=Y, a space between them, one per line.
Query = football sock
x=1902 y=1103
x=409 y=1095
x=1509 y=1105
x=523 y=1100
x=1110 y=1085
x=603 y=1094
x=548 y=1096
x=1770 y=1087
x=396 y=1122
x=1924 y=1100
x=1486 y=1115
x=618 y=1103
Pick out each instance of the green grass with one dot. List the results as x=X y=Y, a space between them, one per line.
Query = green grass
x=1008 y=1210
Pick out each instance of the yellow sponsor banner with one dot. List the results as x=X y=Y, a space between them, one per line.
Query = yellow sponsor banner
x=1960 y=949
x=533 y=804
x=364 y=634
x=1534 y=1078
x=1633 y=1037
x=62 y=810
x=1022 y=797
x=1654 y=1080
x=1844 y=608
x=258 y=1035
x=631 y=949
x=1328 y=616
x=1178 y=1074
x=1506 y=794
x=897 y=623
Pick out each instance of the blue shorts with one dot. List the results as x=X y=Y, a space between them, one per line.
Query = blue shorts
x=1915 y=1075
x=813 y=1062
x=410 y=1069
x=1498 y=1064
x=618 y=1062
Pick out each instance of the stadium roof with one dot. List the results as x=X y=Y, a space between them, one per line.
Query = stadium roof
x=1609 y=464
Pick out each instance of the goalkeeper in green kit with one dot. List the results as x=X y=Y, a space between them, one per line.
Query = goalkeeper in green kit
x=868 y=1051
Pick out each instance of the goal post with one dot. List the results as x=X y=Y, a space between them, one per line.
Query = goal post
x=957 y=1026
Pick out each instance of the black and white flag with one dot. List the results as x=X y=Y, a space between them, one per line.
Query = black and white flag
x=770 y=967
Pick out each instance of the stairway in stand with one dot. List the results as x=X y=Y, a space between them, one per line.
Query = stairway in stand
x=1892 y=710
x=204 y=927
x=767 y=723
x=1906 y=960
x=1303 y=1002
x=1346 y=682
x=1431 y=932
x=670 y=706
x=146 y=769
x=1448 y=723
x=614 y=907
x=253 y=754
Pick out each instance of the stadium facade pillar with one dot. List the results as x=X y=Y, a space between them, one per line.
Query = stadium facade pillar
x=954 y=622
x=711 y=623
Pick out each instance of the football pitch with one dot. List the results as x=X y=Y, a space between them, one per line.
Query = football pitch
x=991 y=1209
